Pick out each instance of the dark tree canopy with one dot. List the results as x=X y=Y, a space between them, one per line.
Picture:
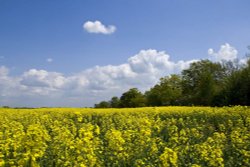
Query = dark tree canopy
x=102 y=104
x=166 y=92
x=204 y=83
x=115 y=102
x=237 y=89
x=132 y=98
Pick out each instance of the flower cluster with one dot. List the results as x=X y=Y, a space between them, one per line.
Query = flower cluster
x=163 y=136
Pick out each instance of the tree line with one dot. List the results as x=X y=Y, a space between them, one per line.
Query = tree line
x=204 y=83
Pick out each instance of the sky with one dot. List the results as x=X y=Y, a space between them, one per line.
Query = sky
x=65 y=53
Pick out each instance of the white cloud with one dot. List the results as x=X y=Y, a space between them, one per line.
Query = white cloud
x=98 y=27
x=210 y=51
x=150 y=61
x=226 y=52
x=4 y=71
x=156 y=63
x=44 y=88
x=49 y=60
x=9 y=86
x=243 y=61
x=142 y=70
x=42 y=78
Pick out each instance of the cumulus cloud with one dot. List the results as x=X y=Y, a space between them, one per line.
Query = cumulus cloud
x=226 y=53
x=9 y=85
x=42 y=78
x=49 y=60
x=98 y=27
x=4 y=71
x=45 y=88
x=142 y=70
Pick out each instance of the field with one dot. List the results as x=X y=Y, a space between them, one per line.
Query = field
x=163 y=136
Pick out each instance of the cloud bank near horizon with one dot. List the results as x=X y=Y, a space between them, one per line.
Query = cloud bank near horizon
x=36 y=88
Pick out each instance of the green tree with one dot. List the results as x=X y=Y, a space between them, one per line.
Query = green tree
x=237 y=86
x=237 y=90
x=103 y=104
x=132 y=98
x=201 y=82
x=167 y=92
x=114 y=102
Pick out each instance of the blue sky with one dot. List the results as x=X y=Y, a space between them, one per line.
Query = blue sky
x=45 y=49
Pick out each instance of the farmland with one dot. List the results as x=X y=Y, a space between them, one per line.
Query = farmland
x=160 y=136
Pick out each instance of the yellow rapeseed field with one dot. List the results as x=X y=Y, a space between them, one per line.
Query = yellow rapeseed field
x=160 y=136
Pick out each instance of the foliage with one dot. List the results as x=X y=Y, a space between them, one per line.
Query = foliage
x=204 y=83
x=237 y=90
x=132 y=98
x=103 y=104
x=114 y=102
x=167 y=92
x=163 y=136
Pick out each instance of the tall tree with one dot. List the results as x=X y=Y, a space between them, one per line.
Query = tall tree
x=114 y=102
x=103 y=104
x=201 y=82
x=132 y=98
x=166 y=92
x=237 y=89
